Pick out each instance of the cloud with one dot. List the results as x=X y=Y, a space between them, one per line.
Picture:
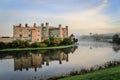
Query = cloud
x=91 y=20
x=81 y=21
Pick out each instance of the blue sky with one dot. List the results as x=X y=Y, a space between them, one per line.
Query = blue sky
x=82 y=16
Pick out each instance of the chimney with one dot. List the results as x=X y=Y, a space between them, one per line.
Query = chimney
x=60 y=25
x=66 y=27
x=47 y=24
x=26 y=25
x=34 y=25
x=42 y=24
x=20 y=25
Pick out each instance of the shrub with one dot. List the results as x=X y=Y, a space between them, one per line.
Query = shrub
x=2 y=45
x=38 y=44
x=35 y=44
x=53 y=41
x=47 y=41
x=42 y=45
x=67 y=41
x=116 y=39
x=56 y=41
x=20 y=43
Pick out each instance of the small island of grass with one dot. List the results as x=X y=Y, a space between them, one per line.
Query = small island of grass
x=51 y=43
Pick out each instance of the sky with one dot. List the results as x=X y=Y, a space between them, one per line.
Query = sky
x=82 y=16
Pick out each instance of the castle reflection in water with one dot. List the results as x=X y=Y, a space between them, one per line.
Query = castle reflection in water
x=35 y=59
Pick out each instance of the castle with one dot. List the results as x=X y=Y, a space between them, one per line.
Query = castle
x=36 y=33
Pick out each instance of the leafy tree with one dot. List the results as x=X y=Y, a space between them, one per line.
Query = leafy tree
x=35 y=44
x=47 y=41
x=20 y=43
x=16 y=43
x=26 y=43
x=75 y=40
x=38 y=44
x=116 y=39
x=9 y=45
x=42 y=45
x=2 y=45
x=56 y=41
x=67 y=41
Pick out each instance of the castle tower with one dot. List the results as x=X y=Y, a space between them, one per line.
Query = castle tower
x=47 y=24
x=20 y=25
x=21 y=32
x=60 y=31
x=66 y=31
x=47 y=30
x=26 y=25
x=34 y=25
x=42 y=24
x=36 y=33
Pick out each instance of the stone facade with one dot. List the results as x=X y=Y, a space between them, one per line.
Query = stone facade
x=38 y=33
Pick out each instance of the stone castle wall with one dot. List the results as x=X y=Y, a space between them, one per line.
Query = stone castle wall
x=6 y=39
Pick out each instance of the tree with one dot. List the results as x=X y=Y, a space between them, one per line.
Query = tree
x=55 y=41
x=116 y=39
x=42 y=45
x=35 y=44
x=67 y=41
x=38 y=44
x=47 y=41
x=16 y=43
x=26 y=43
x=75 y=40
x=2 y=45
x=20 y=43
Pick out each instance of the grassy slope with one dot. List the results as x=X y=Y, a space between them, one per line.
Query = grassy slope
x=55 y=47
x=106 y=74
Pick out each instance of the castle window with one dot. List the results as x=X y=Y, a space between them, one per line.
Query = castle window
x=20 y=35
x=29 y=35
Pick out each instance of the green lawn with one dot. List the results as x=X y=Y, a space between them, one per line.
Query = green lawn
x=41 y=48
x=106 y=74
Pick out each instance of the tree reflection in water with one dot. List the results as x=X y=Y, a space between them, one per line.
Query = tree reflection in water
x=35 y=59
x=116 y=48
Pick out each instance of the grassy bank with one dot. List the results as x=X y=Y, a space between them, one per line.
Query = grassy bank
x=105 y=74
x=41 y=48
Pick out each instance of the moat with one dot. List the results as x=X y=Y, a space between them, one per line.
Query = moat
x=43 y=64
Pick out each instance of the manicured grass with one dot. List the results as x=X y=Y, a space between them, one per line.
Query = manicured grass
x=105 y=74
x=41 y=48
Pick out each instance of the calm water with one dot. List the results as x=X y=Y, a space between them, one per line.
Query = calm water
x=36 y=65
